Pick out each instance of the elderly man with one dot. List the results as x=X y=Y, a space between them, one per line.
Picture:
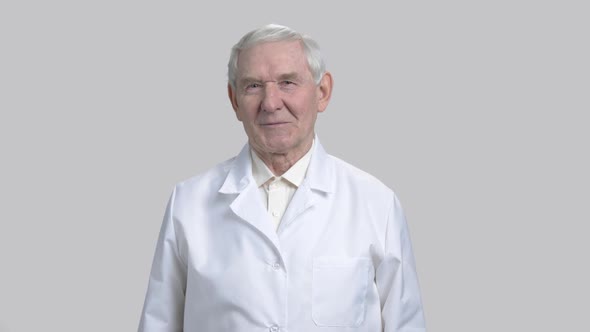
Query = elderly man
x=283 y=237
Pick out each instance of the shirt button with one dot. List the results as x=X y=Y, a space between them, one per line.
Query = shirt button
x=275 y=213
x=276 y=266
x=274 y=328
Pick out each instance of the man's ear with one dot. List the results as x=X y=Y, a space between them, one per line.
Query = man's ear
x=232 y=99
x=325 y=91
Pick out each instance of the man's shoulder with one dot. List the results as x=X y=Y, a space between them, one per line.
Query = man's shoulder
x=210 y=179
x=348 y=174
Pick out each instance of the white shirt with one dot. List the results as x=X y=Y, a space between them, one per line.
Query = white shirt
x=277 y=191
x=341 y=259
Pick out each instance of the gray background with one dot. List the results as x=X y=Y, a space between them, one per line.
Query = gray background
x=474 y=113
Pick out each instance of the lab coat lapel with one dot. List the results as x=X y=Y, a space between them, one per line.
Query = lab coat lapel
x=248 y=205
x=302 y=200
x=319 y=180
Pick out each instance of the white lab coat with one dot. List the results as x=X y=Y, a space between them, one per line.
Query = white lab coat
x=341 y=259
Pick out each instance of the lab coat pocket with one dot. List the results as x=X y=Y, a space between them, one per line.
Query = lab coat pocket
x=339 y=290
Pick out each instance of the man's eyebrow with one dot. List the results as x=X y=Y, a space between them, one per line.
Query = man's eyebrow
x=283 y=77
x=288 y=77
x=248 y=79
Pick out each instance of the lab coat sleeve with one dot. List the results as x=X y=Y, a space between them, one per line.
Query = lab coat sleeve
x=163 y=310
x=396 y=278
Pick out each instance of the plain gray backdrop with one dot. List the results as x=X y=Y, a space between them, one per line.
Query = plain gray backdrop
x=475 y=113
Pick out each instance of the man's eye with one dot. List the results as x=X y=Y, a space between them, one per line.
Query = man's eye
x=287 y=83
x=253 y=86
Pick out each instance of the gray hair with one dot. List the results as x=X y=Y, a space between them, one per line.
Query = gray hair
x=276 y=33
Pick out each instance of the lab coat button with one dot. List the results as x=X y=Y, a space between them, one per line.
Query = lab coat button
x=274 y=328
x=276 y=266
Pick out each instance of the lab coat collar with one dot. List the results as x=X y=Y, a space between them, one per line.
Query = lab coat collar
x=240 y=173
x=248 y=204
x=320 y=175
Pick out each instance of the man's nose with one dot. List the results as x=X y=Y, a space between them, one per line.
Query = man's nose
x=271 y=99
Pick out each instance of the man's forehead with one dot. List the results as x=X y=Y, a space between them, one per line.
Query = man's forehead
x=285 y=59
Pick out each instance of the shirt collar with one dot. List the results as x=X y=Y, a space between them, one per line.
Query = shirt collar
x=295 y=174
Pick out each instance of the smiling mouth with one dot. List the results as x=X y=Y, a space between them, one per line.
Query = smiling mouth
x=271 y=124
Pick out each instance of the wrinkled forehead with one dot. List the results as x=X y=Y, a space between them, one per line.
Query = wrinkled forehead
x=271 y=59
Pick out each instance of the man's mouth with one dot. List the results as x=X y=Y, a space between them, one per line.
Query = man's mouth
x=274 y=124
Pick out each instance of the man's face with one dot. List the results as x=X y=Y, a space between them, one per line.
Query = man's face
x=276 y=98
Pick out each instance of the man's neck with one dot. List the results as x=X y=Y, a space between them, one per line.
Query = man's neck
x=279 y=163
